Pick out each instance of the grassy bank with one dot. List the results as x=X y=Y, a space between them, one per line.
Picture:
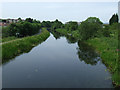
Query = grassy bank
x=8 y=39
x=12 y=49
x=108 y=49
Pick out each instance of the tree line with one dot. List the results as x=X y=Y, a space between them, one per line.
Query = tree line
x=91 y=27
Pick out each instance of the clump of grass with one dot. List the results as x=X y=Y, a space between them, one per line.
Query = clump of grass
x=12 y=49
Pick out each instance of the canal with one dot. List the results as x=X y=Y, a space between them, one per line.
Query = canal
x=59 y=62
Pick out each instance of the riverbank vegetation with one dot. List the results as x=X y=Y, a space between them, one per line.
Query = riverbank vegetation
x=103 y=37
x=12 y=49
x=24 y=28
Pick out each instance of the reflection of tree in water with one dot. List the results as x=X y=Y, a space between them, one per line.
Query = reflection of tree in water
x=56 y=34
x=70 y=39
x=87 y=54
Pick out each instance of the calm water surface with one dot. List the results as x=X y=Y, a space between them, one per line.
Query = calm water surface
x=57 y=63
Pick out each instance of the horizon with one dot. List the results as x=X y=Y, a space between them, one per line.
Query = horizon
x=63 y=11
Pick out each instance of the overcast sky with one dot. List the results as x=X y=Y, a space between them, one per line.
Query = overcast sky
x=64 y=11
x=59 y=0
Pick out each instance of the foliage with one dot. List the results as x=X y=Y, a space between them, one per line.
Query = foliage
x=62 y=31
x=8 y=39
x=56 y=24
x=29 y=20
x=114 y=19
x=23 y=29
x=71 y=26
x=5 y=32
x=108 y=49
x=46 y=24
x=89 y=28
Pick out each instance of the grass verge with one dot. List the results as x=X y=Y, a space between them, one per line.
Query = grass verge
x=12 y=49
x=108 y=49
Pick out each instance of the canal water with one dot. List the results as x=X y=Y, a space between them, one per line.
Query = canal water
x=57 y=63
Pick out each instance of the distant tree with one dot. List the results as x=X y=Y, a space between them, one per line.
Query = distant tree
x=94 y=20
x=19 y=19
x=4 y=21
x=56 y=24
x=46 y=24
x=12 y=29
x=36 y=21
x=71 y=25
x=29 y=20
x=114 y=19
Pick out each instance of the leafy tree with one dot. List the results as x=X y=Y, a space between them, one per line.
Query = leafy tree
x=89 y=28
x=56 y=24
x=36 y=21
x=71 y=26
x=19 y=19
x=94 y=20
x=29 y=20
x=12 y=29
x=46 y=24
x=114 y=19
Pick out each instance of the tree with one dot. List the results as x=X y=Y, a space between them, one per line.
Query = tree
x=29 y=20
x=71 y=26
x=94 y=20
x=46 y=24
x=56 y=24
x=89 y=28
x=114 y=19
x=19 y=19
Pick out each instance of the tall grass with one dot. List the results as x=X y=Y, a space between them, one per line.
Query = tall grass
x=12 y=49
x=108 y=49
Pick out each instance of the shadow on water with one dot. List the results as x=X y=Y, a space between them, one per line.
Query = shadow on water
x=87 y=53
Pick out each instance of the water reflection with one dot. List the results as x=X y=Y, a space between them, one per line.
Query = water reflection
x=56 y=35
x=23 y=51
x=87 y=54
x=69 y=38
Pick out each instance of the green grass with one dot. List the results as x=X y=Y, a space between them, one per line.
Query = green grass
x=12 y=49
x=108 y=49
x=8 y=39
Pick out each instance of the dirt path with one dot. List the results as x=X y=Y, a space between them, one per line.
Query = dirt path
x=18 y=39
x=10 y=41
